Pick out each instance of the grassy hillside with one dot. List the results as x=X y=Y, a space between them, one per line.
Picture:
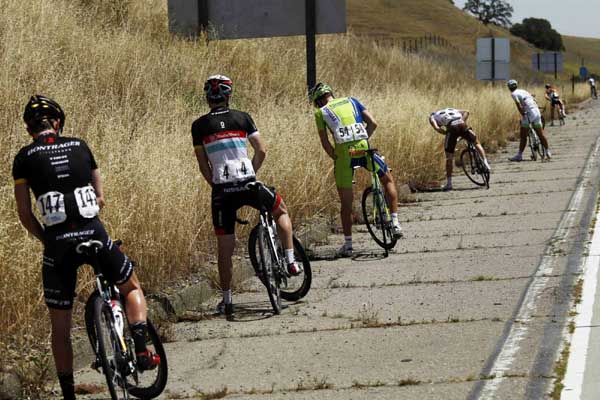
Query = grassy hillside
x=403 y=19
x=131 y=90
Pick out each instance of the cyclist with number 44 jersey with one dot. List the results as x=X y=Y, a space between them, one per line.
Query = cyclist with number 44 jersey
x=64 y=178
x=351 y=126
x=221 y=144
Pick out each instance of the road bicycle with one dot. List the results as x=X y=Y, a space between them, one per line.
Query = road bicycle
x=474 y=166
x=268 y=259
x=561 y=115
x=111 y=340
x=535 y=144
x=375 y=209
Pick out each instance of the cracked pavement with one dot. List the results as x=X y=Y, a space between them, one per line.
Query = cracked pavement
x=433 y=319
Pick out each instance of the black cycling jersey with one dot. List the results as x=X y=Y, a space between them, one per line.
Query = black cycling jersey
x=56 y=164
x=223 y=135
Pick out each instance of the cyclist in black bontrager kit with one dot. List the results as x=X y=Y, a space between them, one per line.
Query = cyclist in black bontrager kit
x=221 y=144
x=64 y=178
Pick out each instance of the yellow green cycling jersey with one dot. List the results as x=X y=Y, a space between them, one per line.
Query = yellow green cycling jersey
x=344 y=119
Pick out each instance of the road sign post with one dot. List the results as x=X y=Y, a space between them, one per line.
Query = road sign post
x=549 y=63
x=311 y=48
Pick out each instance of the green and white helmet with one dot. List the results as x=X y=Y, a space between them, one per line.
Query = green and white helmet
x=512 y=84
x=319 y=90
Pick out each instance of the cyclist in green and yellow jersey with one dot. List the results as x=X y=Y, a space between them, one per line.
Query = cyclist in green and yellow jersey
x=351 y=125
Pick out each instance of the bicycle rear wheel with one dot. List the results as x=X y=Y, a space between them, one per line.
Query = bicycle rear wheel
x=373 y=203
x=297 y=286
x=269 y=268
x=150 y=384
x=533 y=145
x=474 y=168
x=107 y=350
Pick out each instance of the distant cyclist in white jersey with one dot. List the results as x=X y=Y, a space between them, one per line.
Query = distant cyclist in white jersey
x=452 y=123
x=530 y=115
x=592 y=83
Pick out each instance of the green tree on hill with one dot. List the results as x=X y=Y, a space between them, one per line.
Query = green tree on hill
x=497 y=12
x=539 y=32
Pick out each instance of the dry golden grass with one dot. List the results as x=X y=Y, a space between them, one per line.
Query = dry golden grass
x=132 y=91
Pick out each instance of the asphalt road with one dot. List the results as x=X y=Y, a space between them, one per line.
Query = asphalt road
x=473 y=303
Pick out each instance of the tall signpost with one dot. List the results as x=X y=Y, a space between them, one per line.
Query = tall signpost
x=244 y=19
x=493 y=59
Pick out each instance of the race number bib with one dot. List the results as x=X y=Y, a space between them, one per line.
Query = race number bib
x=86 y=201
x=51 y=206
x=350 y=133
x=234 y=171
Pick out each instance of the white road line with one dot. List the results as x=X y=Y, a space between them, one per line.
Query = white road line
x=573 y=380
x=518 y=331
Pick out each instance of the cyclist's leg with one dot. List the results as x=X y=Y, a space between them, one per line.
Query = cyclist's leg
x=59 y=280
x=224 y=208
x=272 y=200
x=552 y=107
x=343 y=179
x=538 y=128
x=387 y=181
x=449 y=148
x=471 y=137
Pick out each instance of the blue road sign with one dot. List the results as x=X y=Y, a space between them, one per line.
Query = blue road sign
x=583 y=72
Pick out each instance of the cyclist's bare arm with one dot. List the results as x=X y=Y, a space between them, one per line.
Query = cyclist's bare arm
x=436 y=126
x=465 y=114
x=26 y=217
x=259 y=151
x=204 y=165
x=326 y=144
x=521 y=111
x=371 y=123
x=97 y=184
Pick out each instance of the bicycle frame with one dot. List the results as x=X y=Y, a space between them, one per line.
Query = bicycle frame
x=108 y=293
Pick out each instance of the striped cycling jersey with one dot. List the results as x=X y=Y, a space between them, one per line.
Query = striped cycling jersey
x=344 y=119
x=223 y=134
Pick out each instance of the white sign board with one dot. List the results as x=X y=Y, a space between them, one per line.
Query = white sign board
x=501 y=49
x=493 y=65
x=545 y=62
x=236 y=19
x=484 y=71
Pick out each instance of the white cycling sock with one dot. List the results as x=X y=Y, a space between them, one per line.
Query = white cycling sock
x=289 y=256
x=394 y=218
x=227 y=296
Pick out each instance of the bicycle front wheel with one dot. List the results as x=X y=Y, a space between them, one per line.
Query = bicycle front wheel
x=473 y=167
x=297 y=286
x=267 y=262
x=375 y=213
x=150 y=384
x=108 y=350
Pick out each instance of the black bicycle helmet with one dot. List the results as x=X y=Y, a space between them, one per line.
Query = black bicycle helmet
x=41 y=107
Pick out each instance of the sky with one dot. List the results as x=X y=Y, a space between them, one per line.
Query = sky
x=568 y=17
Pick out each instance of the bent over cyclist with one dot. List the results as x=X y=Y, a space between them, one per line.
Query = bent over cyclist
x=452 y=123
x=351 y=125
x=551 y=94
x=220 y=141
x=530 y=116
x=64 y=178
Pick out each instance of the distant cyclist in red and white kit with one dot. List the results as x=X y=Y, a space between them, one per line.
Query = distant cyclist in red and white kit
x=453 y=123
x=221 y=140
